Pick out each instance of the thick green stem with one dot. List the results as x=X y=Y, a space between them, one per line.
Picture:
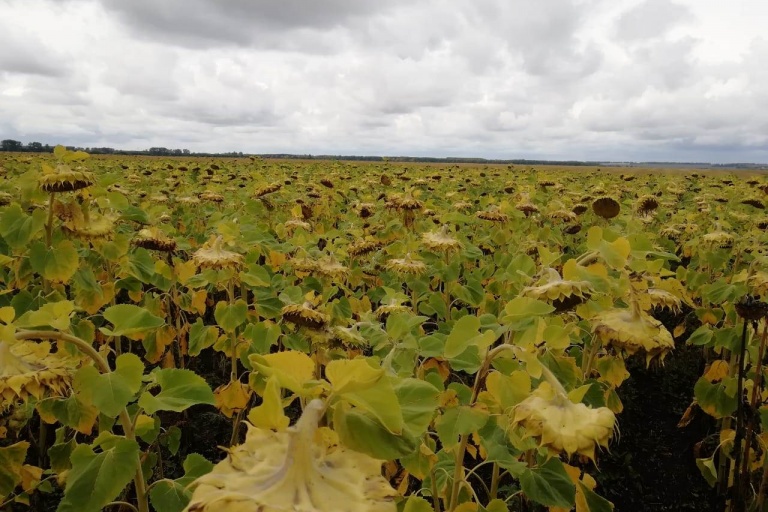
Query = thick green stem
x=103 y=366
x=738 y=502
x=756 y=391
x=494 y=482
x=49 y=238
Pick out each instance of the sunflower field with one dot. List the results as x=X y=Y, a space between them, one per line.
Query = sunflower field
x=199 y=334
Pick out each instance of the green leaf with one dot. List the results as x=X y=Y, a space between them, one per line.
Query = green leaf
x=701 y=336
x=525 y=307
x=364 y=434
x=458 y=421
x=98 y=478
x=354 y=375
x=54 y=314
x=708 y=470
x=70 y=411
x=129 y=320
x=17 y=228
x=11 y=459
x=718 y=399
x=112 y=391
x=465 y=333
x=179 y=389
x=417 y=504
x=381 y=402
x=549 y=484
x=59 y=263
x=418 y=403
x=174 y=495
x=230 y=317
x=595 y=502
x=201 y=337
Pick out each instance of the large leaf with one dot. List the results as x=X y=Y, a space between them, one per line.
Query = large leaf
x=70 y=411
x=17 y=228
x=466 y=332
x=98 y=478
x=549 y=484
x=11 y=460
x=179 y=390
x=201 y=337
x=458 y=421
x=364 y=434
x=58 y=263
x=129 y=320
x=418 y=403
x=112 y=391
x=174 y=495
x=231 y=316
x=352 y=375
x=54 y=314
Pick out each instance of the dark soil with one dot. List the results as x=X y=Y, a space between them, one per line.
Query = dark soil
x=652 y=467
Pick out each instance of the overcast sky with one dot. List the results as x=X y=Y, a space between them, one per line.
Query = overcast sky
x=678 y=80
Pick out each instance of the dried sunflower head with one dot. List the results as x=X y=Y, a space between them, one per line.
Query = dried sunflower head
x=29 y=369
x=294 y=224
x=606 y=207
x=563 y=215
x=722 y=239
x=268 y=189
x=212 y=255
x=95 y=227
x=561 y=425
x=64 y=179
x=562 y=294
x=363 y=246
x=331 y=268
x=305 y=315
x=348 y=337
x=5 y=198
x=154 y=239
x=492 y=214
x=406 y=265
x=647 y=204
x=291 y=471
x=211 y=197
x=441 y=241
x=658 y=298
x=633 y=330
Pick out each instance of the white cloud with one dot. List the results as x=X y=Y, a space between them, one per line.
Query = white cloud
x=588 y=79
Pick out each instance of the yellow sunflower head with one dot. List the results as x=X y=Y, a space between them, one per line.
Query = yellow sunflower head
x=212 y=255
x=64 y=179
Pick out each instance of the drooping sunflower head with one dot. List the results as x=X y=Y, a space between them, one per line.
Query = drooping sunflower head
x=562 y=294
x=441 y=241
x=363 y=246
x=305 y=315
x=658 y=298
x=292 y=471
x=213 y=255
x=633 y=331
x=268 y=189
x=153 y=239
x=5 y=198
x=65 y=179
x=95 y=227
x=492 y=214
x=211 y=197
x=406 y=265
x=647 y=204
x=561 y=425
x=29 y=369
x=331 y=268
x=720 y=238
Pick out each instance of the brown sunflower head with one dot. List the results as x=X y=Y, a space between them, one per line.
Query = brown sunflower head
x=606 y=207
x=305 y=315
x=212 y=255
x=647 y=204
x=154 y=239
x=64 y=179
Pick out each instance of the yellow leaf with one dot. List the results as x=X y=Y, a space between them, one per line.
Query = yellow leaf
x=7 y=314
x=270 y=415
x=185 y=271
x=351 y=375
x=612 y=370
x=30 y=477
x=291 y=368
x=276 y=259
x=679 y=330
x=232 y=397
x=199 y=302
x=717 y=371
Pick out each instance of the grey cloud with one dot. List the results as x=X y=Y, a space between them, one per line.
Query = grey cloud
x=24 y=53
x=650 y=19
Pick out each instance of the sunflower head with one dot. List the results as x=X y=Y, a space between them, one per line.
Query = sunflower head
x=29 y=369
x=154 y=239
x=633 y=331
x=305 y=315
x=720 y=238
x=647 y=204
x=406 y=265
x=606 y=207
x=212 y=255
x=561 y=425
x=562 y=294
x=211 y=197
x=64 y=179
x=5 y=198
x=363 y=246
x=492 y=214
x=292 y=470
x=441 y=241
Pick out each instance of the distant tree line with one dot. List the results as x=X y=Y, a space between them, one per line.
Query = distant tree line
x=38 y=147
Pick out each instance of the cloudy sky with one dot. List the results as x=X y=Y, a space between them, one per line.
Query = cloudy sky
x=676 y=80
